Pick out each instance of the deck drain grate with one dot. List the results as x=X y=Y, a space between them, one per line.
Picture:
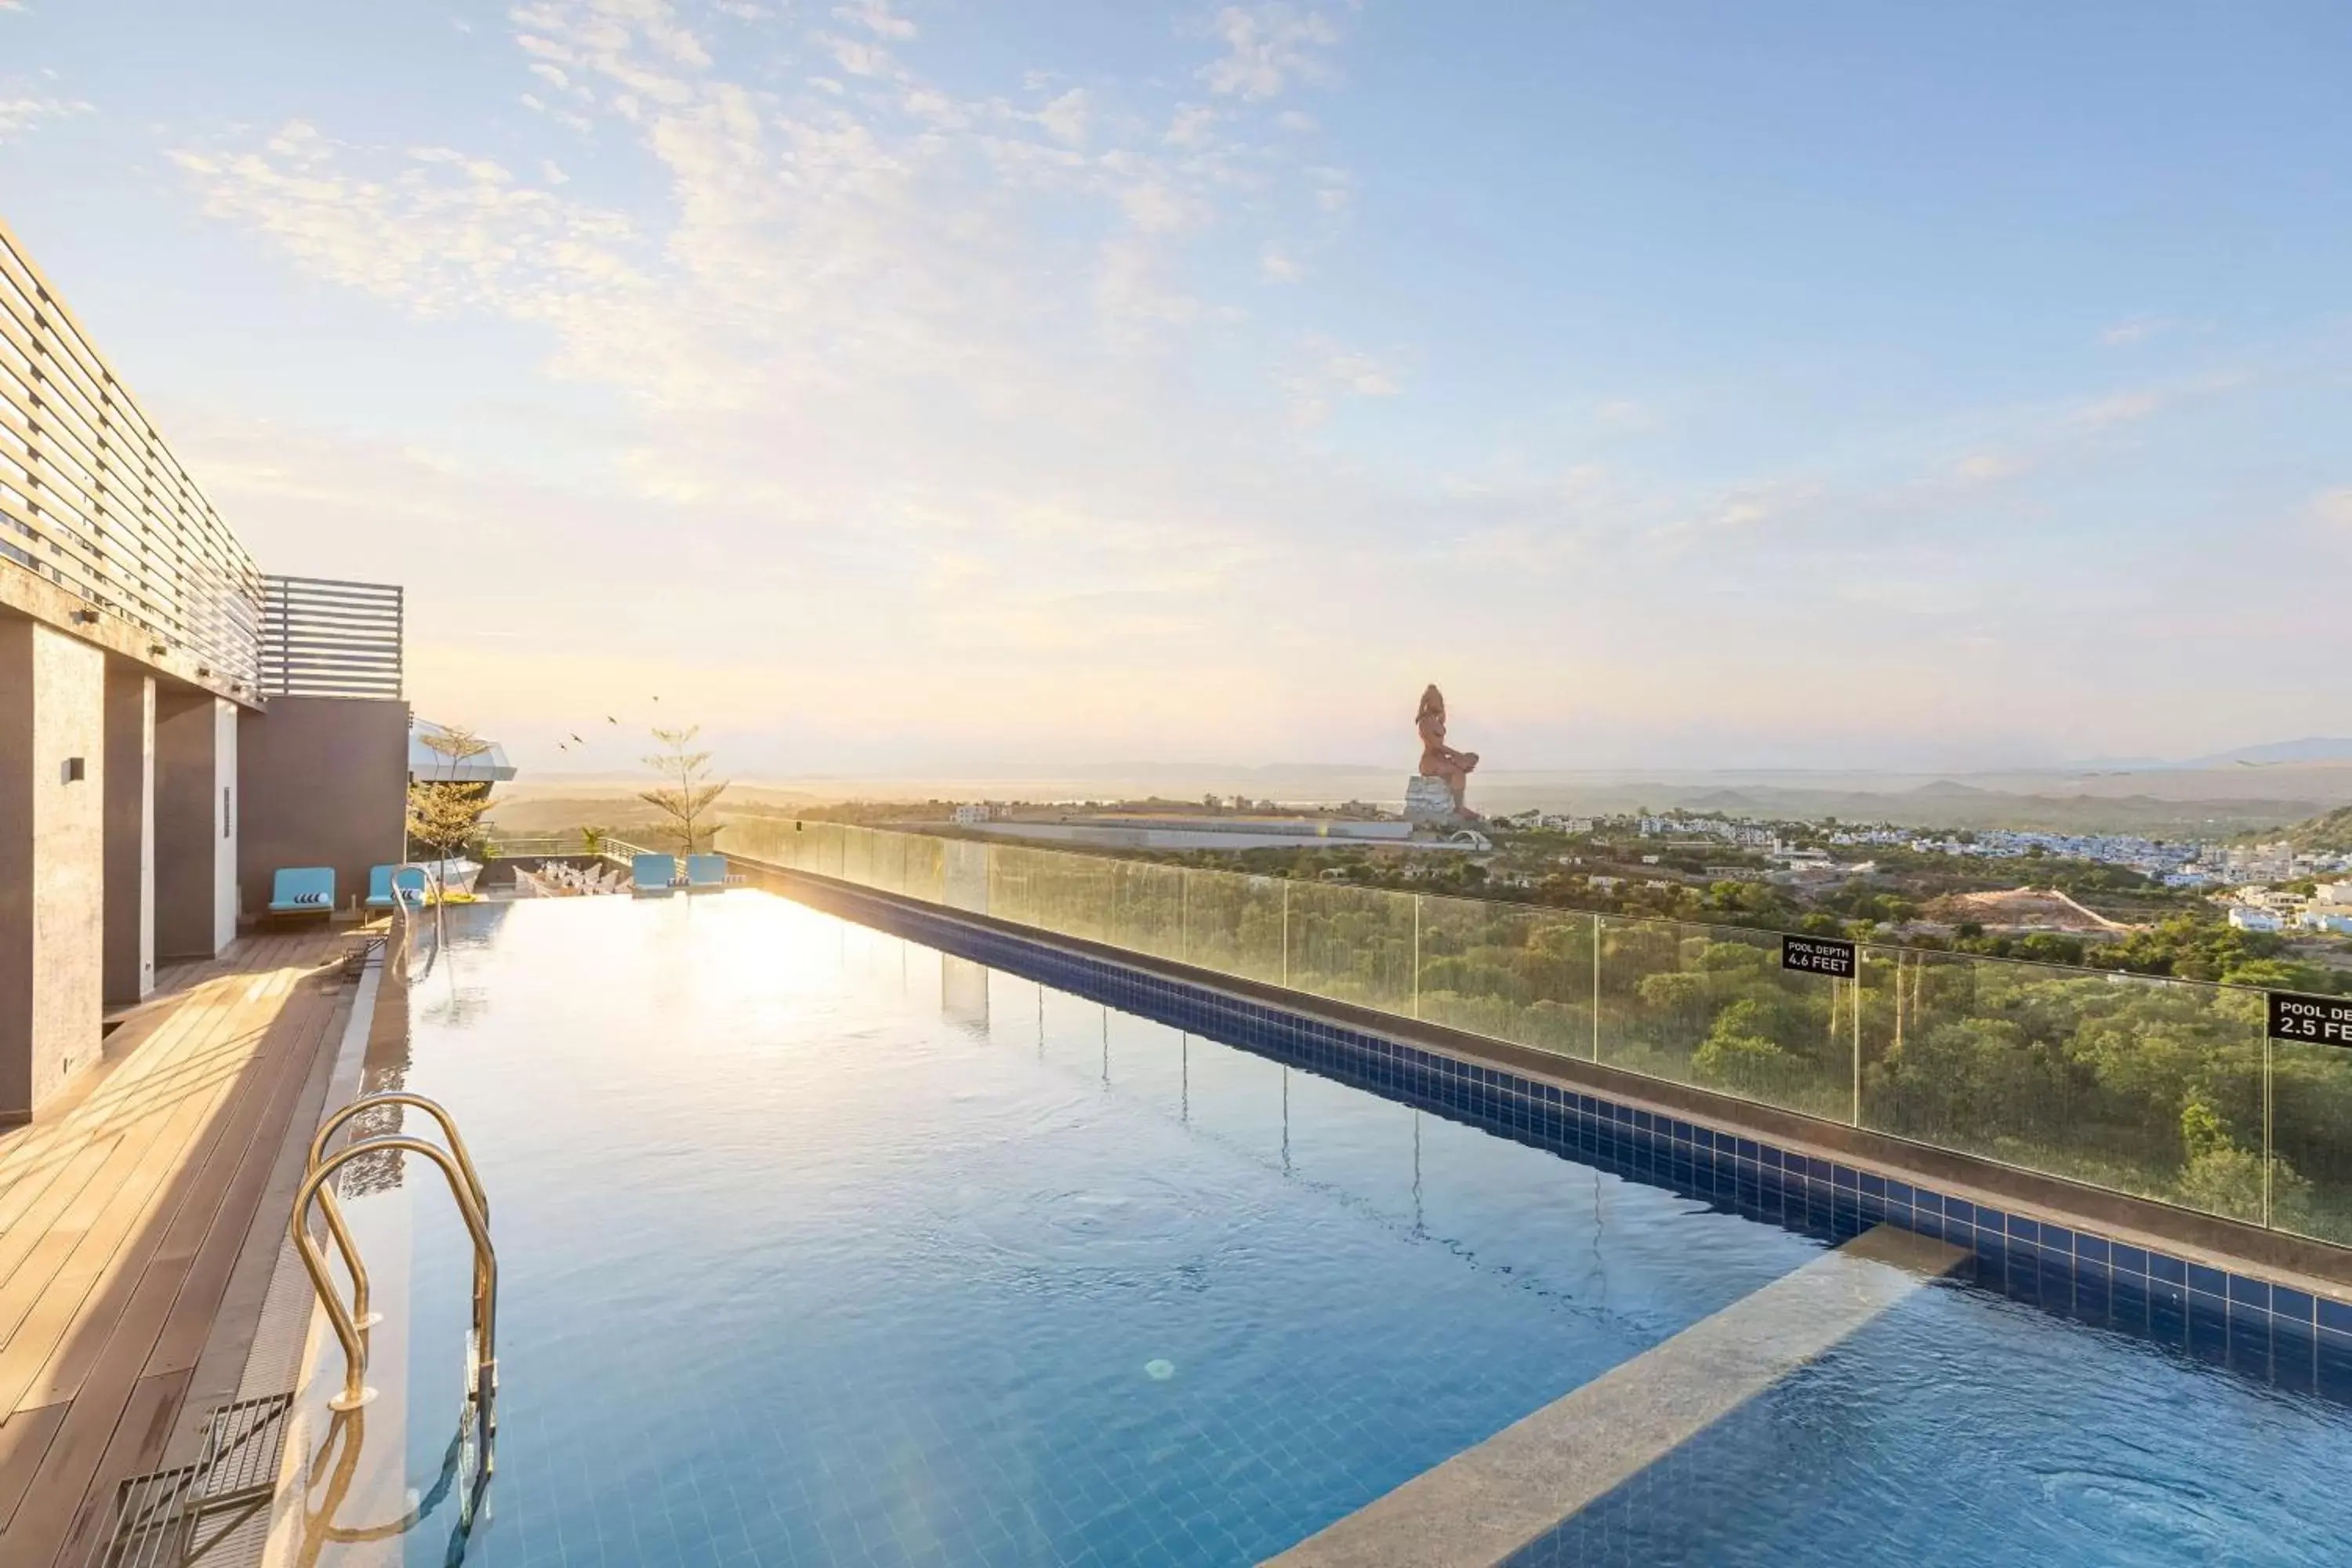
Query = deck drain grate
x=172 y=1518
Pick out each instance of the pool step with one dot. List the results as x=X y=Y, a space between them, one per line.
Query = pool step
x=172 y=1518
x=1489 y=1502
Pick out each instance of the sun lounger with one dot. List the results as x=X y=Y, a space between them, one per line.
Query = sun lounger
x=650 y=876
x=303 y=890
x=706 y=873
x=385 y=883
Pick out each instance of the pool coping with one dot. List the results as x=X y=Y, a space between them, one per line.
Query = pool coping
x=2212 y=1272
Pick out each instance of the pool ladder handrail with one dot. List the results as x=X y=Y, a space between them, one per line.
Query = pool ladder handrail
x=350 y=1322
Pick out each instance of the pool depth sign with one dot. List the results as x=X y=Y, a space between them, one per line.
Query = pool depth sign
x=2315 y=1020
x=1818 y=955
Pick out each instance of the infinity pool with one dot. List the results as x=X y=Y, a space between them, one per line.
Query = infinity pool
x=820 y=1246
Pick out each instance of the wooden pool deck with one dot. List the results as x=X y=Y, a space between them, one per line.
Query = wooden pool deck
x=124 y=1212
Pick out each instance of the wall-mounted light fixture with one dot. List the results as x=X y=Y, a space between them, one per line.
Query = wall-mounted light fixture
x=203 y=672
x=76 y=770
x=157 y=649
x=85 y=617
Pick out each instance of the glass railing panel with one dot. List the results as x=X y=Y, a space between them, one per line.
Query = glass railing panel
x=2310 y=1190
x=1070 y=894
x=1711 y=1006
x=1012 y=885
x=1234 y=924
x=1147 y=908
x=1510 y=971
x=923 y=872
x=1352 y=944
x=2147 y=1085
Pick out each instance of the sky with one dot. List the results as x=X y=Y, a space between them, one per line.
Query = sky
x=912 y=385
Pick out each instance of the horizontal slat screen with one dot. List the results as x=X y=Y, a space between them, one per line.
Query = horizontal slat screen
x=92 y=499
x=321 y=637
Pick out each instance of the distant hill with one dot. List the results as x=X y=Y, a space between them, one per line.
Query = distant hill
x=2313 y=749
x=2329 y=833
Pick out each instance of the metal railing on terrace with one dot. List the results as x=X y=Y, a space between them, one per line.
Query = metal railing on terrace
x=92 y=499
x=2169 y=1089
x=324 y=636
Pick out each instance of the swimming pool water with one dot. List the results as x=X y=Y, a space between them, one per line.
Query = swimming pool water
x=820 y=1247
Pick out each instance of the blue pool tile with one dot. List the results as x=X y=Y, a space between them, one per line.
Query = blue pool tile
x=2019 y=1228
x=2090 y=1248
x=1874 y=1185
x=2210 y=1281
x=2334 y=1358
x=2254 y=1294
x=2249 y=1345
x=1954 y=1208
x=2058 y=1238
x=2294 y=1361
x=2128 y=1259
x=2291 y=1305
x=2334 y=1315
x=2169 y=1268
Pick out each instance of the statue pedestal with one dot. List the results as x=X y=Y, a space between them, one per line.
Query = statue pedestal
x=1428 y=802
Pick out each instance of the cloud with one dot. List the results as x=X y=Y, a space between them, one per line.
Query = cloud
x=1068 y=116
x=22 y=112
x=2136 y=330
x=2118 y=409
x=437 y=233
x=1268 y=47
x=2332 y=510
x=1747 y=508
x=876 y=17
x=1279 y=265
x=1337 y=374
x=1987 y=468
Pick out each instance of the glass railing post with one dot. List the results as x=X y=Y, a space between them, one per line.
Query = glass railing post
x=2270 y=1151
x=1285 y=931
x=1861 y=957
x=1416 y=956
x=1183 y=914
x=1596 y=986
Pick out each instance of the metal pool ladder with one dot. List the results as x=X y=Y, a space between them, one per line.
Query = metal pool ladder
x=352 y=1323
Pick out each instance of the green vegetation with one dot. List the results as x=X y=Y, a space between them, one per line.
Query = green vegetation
x=2329 y=832
x=687 y=795
x=445 y=814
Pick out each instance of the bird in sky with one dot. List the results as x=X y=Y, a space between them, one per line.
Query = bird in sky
x=610 y=719
x=575 y=737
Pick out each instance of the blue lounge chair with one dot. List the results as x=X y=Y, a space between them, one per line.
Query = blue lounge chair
x=651 y=875
x=303 y=890
x=383 y=879
x=706 y=873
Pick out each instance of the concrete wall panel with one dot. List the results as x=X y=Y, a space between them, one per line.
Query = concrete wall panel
x=196 y=825
x=52 y=860
x=130 y=833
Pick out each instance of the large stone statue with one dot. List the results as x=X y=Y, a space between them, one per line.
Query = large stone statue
x=1437 y=794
